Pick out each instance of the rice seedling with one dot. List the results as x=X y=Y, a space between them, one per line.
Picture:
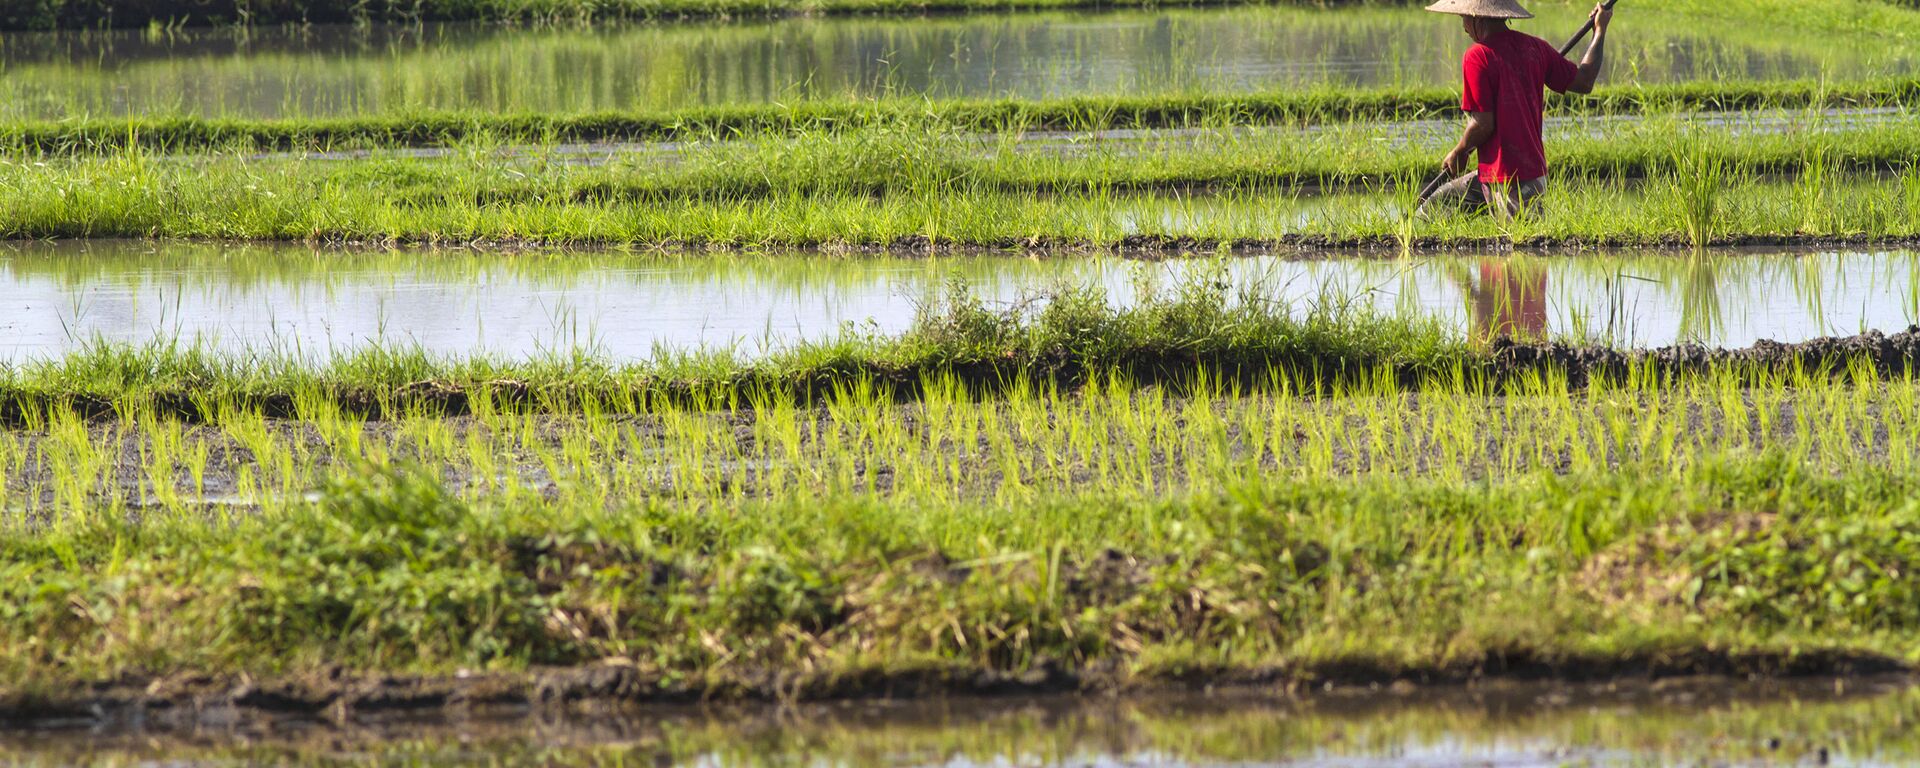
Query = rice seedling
x=1014 y=444
x=1215 y=192
x=1029 y=485
x=1202 y=483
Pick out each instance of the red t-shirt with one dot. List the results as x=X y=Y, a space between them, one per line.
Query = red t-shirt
x=1504 y=76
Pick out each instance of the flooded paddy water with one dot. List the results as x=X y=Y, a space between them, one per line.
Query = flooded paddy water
x=1676 y=722
x=349 y=71
x=57 y=297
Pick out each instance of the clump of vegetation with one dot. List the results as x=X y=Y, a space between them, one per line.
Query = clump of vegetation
x=766 y=541
x=1815 y=574
x=1664 y=184
x=1698 y=181
x=1368 y=576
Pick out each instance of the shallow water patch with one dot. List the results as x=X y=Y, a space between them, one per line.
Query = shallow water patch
x=1712 y=722
x=338 y=70
x=57 y=297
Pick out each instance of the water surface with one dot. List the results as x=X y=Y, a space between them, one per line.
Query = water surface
x=1670 y=723
x=335 y=71
x=56 y=297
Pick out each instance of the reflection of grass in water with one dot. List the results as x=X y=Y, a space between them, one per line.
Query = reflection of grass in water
x=245 y=267
x=1910 y=296
x=1228 y=728
x=568 y=68
x=692 y=65
x=1613 y=323
x=1591 y=291
x=1588 y=292
x=1264 y=731
x=1701 y=314
x=1810 y=286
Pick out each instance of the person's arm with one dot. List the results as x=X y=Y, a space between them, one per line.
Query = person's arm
x=1477 y=97
x=1590 y=64
x=1479 y=130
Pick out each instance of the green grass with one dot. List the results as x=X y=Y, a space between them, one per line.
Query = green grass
x=895 y=160
x=908 y=191
x=1144 y=543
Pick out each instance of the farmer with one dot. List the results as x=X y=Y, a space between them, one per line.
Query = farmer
x=1505 y=71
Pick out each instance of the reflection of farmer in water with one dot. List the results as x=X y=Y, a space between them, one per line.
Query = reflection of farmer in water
x=1509 y=300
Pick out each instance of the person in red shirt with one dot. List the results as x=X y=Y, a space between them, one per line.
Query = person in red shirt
x=1506 y=72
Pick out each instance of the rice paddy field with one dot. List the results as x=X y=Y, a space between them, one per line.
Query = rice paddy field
x=854 y=383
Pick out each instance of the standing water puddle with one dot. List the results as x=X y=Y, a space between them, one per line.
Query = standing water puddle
x=58 y=297
x=314 y=71
x=1671 y=723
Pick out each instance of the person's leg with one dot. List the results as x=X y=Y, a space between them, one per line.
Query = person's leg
x=1517 y=197
x=1463 y=193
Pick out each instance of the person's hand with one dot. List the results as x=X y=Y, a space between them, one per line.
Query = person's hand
x=1600 y=17
x=1456 y=162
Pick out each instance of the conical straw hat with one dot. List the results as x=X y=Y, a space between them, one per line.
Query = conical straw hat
x=1494 y=9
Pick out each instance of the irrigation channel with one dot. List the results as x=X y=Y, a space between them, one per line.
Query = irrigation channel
x=1862 y=722
x=349 y=71
x=55 y=298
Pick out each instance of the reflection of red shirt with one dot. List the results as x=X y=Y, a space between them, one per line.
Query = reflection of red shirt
x=1504 y=76
x=1511 y=302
